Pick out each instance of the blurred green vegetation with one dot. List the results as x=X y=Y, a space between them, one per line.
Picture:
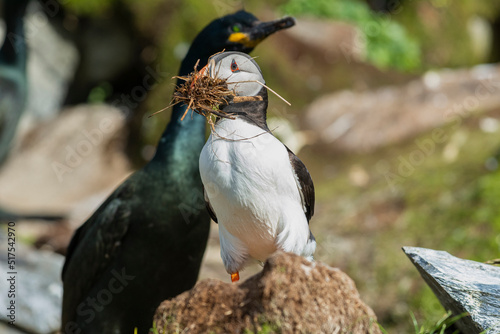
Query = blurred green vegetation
x=88 y=7
x=388 y=45
x=448 y=205
x=103 y=7
x=444 y=205
x=416 y=36
x=442 y=326
x=448 y=30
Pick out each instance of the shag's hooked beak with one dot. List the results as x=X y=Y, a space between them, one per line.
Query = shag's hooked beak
x=259 y=31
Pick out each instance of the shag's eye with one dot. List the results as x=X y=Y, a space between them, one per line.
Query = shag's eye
x=234 y=66
x=236 y=27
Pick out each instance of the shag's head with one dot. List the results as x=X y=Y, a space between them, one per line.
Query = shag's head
x=242 y=73
x=245 y=31
x=240 y=31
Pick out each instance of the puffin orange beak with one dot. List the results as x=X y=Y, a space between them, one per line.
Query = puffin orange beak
x=235 y=277
x=202 y=72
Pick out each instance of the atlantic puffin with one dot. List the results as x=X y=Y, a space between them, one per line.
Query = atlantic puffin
x=257 y=190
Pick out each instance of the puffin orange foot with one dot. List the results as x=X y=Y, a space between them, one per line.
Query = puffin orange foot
x=235 y=277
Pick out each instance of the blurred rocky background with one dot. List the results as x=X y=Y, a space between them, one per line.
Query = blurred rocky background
x=395 y=111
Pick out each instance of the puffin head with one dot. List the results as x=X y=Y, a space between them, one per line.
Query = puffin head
x=241 y=72
x=244 y=77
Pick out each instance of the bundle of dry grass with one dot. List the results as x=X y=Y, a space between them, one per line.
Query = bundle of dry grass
x=205 y=95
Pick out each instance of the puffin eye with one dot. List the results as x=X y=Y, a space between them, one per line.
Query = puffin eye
x=236 y=27
x=234 y=66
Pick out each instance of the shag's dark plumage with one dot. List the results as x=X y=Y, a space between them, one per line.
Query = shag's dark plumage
x=13 y=84
x=146 y=241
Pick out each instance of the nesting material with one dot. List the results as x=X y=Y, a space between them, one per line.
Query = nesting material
x=206 y=96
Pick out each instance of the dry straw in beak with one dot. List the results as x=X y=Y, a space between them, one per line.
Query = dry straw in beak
x=206 y=95
x=202 y=94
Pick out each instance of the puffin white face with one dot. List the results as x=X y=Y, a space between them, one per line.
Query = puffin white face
x=240 y=70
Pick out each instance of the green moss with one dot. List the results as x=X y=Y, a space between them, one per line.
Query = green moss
x=265 y=326
x=170 y=326
x=281 y=269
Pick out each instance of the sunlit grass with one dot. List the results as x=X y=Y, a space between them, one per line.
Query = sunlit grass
x=450 y=205
x=440 y=327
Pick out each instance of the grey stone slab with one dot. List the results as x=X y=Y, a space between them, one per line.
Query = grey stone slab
x=462 y=286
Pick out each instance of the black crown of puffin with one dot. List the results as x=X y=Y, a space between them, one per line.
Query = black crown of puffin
x=221 y=69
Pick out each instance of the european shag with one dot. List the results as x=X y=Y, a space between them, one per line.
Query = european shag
x=145 y=243
x=258 y=191
x=13 y=83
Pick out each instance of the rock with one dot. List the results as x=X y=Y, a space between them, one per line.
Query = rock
x=9 y=329
x=364 y=121
x=462 y=286
x=65 y=161
x=38 y=289
x=290 y=295
x=338 y=40
x=65 y=166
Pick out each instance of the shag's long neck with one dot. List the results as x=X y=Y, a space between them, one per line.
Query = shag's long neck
x=13 y=51
x=182 y=141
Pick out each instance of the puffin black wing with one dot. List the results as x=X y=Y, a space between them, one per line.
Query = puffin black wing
x=209 y=206
x=304 y=183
